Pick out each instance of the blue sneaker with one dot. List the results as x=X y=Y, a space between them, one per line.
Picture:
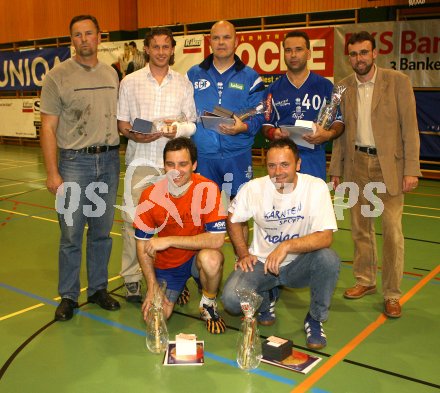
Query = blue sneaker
x=268 y=317
x=316 y=338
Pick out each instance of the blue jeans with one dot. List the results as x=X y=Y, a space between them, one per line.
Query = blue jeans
x=318 y=270
x=90 y=187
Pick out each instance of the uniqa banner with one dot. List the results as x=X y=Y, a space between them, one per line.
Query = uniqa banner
x=26 y=70
x=411 y=47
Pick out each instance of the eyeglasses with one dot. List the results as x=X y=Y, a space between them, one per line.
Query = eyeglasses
x=361 y=53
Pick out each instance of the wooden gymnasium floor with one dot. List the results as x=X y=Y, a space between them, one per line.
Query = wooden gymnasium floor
x=101 y=351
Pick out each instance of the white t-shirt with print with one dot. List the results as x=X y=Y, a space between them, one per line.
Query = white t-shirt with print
x=278 y=217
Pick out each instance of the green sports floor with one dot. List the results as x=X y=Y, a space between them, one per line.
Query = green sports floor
x=100 y=351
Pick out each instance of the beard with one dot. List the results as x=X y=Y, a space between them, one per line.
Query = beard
x=364 y=71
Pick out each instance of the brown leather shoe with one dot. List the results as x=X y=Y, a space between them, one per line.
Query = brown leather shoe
x=359 y=291
x=392 y=308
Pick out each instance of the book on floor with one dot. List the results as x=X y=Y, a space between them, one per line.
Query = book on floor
x=171 y=359
x=298 y=361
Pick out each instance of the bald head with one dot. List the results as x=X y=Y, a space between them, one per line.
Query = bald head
x=223 y=43
x=223 y=24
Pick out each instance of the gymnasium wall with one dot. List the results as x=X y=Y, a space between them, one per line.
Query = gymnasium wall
x=30 y=19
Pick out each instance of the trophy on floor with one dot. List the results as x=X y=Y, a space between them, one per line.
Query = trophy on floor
x=328 y=112
x=249 y=344
x=156 y=330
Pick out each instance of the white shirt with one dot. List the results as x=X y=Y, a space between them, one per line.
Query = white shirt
x=141 y=96
x=279 y=217
x=364 y=135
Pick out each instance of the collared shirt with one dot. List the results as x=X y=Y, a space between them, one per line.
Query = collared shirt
x=364 y=136
x=141 y=96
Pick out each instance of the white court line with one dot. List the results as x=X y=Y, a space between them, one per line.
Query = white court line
x=22 y=182
x=12 y=160
x=45 y=219
x=22 y=166
x=21 y=192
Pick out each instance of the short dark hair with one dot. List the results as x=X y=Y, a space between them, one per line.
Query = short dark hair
x=155 y=31
x=284 y=142
x=361 y=36
x=181 y=143
x=79 y=18
x=133 y=44
x=298 y=33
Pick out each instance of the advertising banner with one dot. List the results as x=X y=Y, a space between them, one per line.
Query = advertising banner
x=19 y=117
x=428 y=117
x=188 y=51
x=411 y=47
x=263 y=51
x=25 y=70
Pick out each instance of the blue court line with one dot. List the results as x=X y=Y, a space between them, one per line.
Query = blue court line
x=142 y=333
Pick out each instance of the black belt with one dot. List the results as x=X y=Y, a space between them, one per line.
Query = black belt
x=97 y=149
x=369 y=150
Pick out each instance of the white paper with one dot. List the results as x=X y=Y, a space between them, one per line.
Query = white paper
x=296 y=132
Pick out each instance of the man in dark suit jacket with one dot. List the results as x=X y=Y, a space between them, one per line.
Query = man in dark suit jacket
x=380 y=144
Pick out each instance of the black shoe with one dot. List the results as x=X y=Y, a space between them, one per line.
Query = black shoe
x=104 y=300
x=64 y=311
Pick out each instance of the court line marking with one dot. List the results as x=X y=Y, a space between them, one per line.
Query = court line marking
x=339 y=356
x=404 y=213
x=422 y=207
x=22 y=182
x=21 y=166
x=12 y=160
x=227 y=239
x=22 y=192
x=24 y=310
x=46 y=219
x=142 y=333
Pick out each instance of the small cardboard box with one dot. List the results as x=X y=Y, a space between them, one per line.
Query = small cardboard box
x=277 y=348
x=186 y=344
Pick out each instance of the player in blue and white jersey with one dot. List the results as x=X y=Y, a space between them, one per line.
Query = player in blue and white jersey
x=299 y=95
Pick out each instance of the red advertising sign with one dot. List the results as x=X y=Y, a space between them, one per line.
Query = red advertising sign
x=263 y=50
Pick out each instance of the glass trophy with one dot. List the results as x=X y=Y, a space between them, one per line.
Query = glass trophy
x=328 y=112
x=249 y=345
x=156 y=329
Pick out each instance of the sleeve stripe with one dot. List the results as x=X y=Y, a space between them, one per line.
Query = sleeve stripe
x=141 y=235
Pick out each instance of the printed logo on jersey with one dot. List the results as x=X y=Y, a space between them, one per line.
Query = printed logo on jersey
x=218 y=226
x=201 y=84
x=249 y=173
x=282 y=103
x=280 y=238
x=290 y=215
x=306 y=104
x=235 y=85
x=297 y=114
x=268 y=110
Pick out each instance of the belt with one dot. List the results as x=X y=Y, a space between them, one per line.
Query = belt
x=97 y=149
x=372 y=151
